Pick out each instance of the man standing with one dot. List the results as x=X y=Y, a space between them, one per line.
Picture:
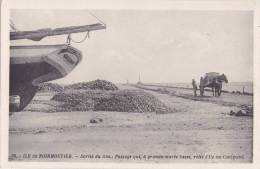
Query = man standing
x=194 y=85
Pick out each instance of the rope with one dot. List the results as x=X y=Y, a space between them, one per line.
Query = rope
x=96 y=17
x=12 y=25
x=69 y=38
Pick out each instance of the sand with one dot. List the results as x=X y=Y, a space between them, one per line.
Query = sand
x=199 y=129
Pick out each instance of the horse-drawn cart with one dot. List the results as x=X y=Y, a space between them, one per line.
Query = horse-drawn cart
x=214 y=81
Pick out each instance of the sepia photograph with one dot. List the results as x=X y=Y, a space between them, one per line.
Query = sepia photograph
x=135 y=86
x=131 y=86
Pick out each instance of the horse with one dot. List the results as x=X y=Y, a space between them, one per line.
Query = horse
x=218 y=83
x=214 y=81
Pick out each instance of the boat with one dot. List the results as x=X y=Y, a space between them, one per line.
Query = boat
x=35 y=64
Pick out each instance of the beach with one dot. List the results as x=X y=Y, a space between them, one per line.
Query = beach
x=200 y=129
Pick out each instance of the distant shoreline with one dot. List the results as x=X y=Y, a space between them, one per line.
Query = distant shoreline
x=238 y=89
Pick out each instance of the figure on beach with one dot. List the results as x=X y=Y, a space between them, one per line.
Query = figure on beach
x=194 y=85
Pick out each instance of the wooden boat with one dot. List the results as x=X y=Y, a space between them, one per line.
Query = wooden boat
x=32 y=65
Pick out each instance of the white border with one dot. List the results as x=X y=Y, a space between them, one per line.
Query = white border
x=117 y=5
x=135 y=4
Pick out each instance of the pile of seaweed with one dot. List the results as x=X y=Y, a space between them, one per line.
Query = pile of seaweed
x=119 y=101
x=50 y=87
x=93 y=85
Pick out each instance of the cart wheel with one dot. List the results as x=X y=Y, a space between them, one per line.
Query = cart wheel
x=26 y=91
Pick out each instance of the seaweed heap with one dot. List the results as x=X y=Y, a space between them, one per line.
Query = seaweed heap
x=77 y=101
x=131 y=101
x=50 y=87
x=94 y=85
x=120 y=101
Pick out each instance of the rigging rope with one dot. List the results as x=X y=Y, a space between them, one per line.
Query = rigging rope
x=84 y=38
x=69 y=38
x=12 y=25
x=96 y=17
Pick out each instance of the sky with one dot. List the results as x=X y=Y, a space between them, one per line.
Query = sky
x=163 y=46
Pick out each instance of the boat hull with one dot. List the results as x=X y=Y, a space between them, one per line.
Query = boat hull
x=32 y=65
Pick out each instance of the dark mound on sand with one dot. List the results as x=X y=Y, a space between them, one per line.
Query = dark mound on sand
x=78 y=100
x=120 y=101
x=94 y=85
x=50 y=87
x=244 y=111
x=131 y=101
